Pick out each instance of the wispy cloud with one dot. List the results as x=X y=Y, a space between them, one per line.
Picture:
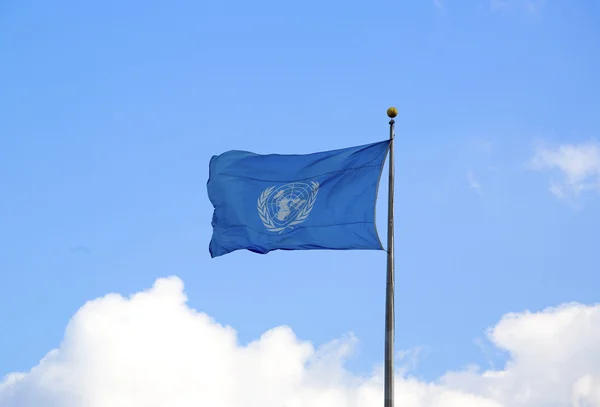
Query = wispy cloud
x=534 y=6
x=531 y=6
x=473 y=182
x=480 y=146
x=499 y=4
x=80 y=250
x=485 y=146
x=439 y=3
x=577 y=164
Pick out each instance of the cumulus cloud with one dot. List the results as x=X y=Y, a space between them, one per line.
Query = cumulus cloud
x=577 y=164
x=152 y=350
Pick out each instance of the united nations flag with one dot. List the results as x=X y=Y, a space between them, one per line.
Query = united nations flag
x=271 y=202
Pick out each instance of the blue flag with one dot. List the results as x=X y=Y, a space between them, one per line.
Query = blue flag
x=272 y=202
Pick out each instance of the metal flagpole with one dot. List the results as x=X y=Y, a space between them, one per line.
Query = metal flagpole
x=389 y=288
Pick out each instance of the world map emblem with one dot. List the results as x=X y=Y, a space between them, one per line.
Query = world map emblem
x=286 y=206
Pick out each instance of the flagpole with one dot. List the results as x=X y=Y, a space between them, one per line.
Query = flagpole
x=389 y=288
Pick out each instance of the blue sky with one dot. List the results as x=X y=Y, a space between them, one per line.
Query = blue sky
x=111 y=112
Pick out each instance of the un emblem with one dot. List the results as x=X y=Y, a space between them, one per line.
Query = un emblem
x=284 y=207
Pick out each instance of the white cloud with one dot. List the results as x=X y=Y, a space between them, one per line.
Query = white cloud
x=484 y=146
x=438 y=3
x=498 y=4
x=532 y=6
x=473 y=183
x=578 y=165
x=152 y=350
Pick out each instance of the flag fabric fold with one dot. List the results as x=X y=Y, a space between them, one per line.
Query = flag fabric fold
x=323 y=200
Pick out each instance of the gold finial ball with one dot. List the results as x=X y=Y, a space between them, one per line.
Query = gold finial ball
x=392 y=112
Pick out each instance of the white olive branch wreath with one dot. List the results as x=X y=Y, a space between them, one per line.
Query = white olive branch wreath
x=266 y=218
